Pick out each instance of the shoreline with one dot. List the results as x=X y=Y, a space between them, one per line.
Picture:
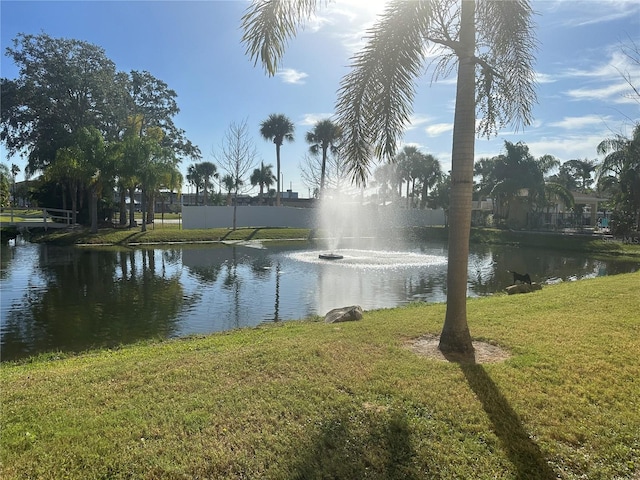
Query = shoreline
x=570 y=241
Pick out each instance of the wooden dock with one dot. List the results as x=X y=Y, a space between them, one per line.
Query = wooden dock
x=49 y=218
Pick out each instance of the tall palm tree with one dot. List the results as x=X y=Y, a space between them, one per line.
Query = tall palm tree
x=324 y=137
x=208 y=170
x=263 y=177
x=277 y=128
x=375 y=99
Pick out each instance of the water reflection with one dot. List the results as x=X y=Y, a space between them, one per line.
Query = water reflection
x=74 y=299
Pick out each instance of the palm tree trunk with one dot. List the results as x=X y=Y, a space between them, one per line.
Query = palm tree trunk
x=455 y=337
x=143 y=209
x=123 y=206
x=151 y=208
x=93 y=208
x=74 y=203
x=323 y=169
x=278 y=179
x=132 y=207
x=408 y=204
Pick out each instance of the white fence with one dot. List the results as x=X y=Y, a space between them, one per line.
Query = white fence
x=361 y=218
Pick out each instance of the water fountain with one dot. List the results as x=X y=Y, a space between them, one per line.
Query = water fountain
x=330 y=256
x=363 y=236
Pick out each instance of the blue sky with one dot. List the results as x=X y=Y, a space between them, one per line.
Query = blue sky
x=194 y=46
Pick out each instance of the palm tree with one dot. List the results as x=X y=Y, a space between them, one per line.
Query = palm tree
x=5 y=187
x=208 y=170
x=505 y=177
x=277 y=128
x=263 y=177
x=580 y=171
x=229 y=184
x=375 y=99
x=620 y=172
x=404 y=160
x=324 y=137
x=195 y=178
x=429 y=173
x=385 y=178
x=15 y=169
x=553 y=191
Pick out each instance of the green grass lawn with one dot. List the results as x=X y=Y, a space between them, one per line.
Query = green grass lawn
x=167 y=233
x=308 y=400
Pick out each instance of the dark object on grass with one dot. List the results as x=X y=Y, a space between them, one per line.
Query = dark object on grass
x=344 y=314
x=523 y=288
x=522 y=278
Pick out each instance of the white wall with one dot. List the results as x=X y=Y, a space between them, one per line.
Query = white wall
x=367 y=217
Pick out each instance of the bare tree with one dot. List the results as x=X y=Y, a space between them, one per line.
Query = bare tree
x=336 y=172
x=237 y=156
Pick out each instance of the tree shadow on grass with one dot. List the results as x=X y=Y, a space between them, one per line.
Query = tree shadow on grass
x=522 y=451
x=375 y=446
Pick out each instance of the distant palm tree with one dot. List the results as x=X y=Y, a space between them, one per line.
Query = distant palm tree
x=495 y=79
x=554 y=191
x=208 y=171
x=229 y=185
x=429 y=173
x=277 y=128
x=385 y=178
x=620 y=173
x=325 y=136
x=263 y=177
x=407 y=161
x=581 y=171
x=195 y=178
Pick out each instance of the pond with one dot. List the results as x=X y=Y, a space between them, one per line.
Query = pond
x=73 y=299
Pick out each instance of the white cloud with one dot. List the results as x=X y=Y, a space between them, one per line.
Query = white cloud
x=438 y=129
x=614 y=92
x=575 y=123
x=567 y=147
x=545 y=78
x=608 y=80
x=349 y=20
x=416 y=120
x=313 y=118
x=290 y=75
x=574 y=14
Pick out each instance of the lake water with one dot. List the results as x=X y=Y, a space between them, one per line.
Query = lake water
x=73 y=299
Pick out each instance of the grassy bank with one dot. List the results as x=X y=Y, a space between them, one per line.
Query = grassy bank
x=592 y=244
x=168 y=233
x=305 y=400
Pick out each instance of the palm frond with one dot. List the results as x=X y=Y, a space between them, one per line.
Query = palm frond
x=618 y=142
x=552 y=188
x=269 y=24
x=375 y=99
x=506 y=43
